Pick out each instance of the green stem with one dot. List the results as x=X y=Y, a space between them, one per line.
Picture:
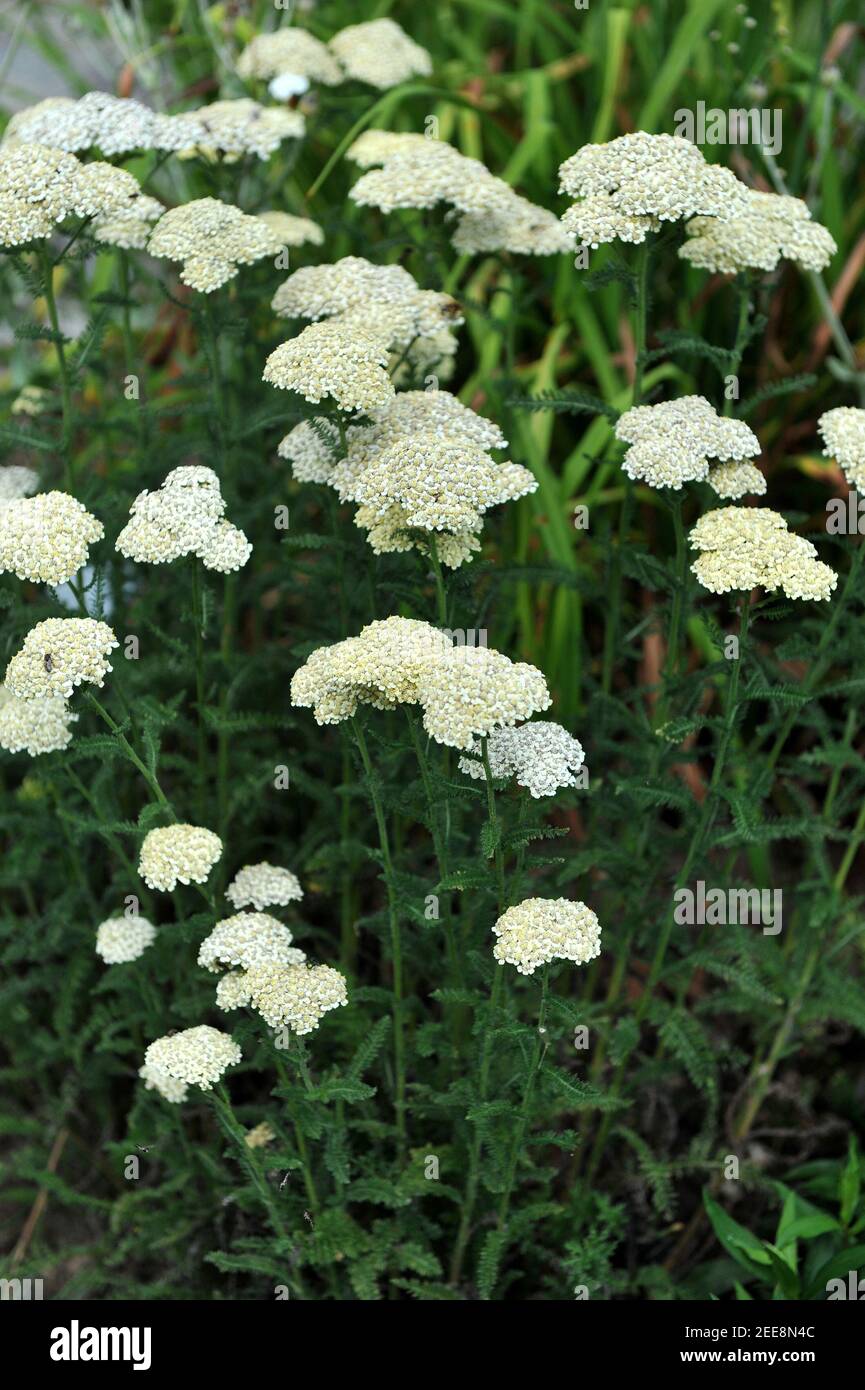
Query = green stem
x=63 y=365
x=395 y=936
x=531 y=1079
x=438 y=842
x=441 y=591
x=131 y=754
x=198 y=625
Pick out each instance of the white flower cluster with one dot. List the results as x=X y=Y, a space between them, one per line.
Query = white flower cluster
x=292 y=230
x=382 y=667
x=114 y=125
x=292 y=996
x=843 y=433
x=228 y=130
x=744 y=548
x=260 y=1136
x=46 y=538
x=380 y=299
x=129 y=227
x=631 y=185
x=168 y=1088
x=541 y=757
x=185 y=516
x=59 y=654
x=174 y=854
x=40 y=725
x=121 y=939
x=377 y=52
x=672 y=443
x=211 y=239
x=539 y=930
x=263 y=885
x=380 y=53
x=768 y=229
x=311 y=449
x=31 y=400
x=41 y=187
x=418 y=172
x=333 y=359
x=470 y=691
x=196 y=1056
x=17 y=480
x=247 y=939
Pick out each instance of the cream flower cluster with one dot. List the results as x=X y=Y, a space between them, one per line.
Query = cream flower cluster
x=40 y=725
x=292 y=996
x=377 y=52
x=333 y=359
x=32 y=401
x=470 y=691
x=539 y=930
x=381 y=299
x=168 y=1088
x=196 y=1056
x=260 y=1135
x=631 y=185
x=121 y=939
x=247 y=939
x=263 y=885
x=41 y=187
x=212 y=239
x=541 y=757
x=184 y=517
x=843 y=433
x=380 y=53
x=311 y=449
x=769 y=228
x=418 y=172
x=17 y=480
x=744 y=548
x=129 y=227
x=46 y=538
x=292 y=230
x=382 y=667
x=229 y=130
x=672 y=444
x=59 y=654
x=114 y=125
x=174 y=854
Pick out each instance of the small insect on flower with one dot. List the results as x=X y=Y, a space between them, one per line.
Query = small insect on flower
x=59 y=654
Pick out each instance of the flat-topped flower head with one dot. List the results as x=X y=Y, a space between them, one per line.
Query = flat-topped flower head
x=336 y=360
x=440 y=483
x=383 y=667
x=292 y=230
x=376 y=147
x=212 y=239
x=843 y=433
x=196 y=1056
x=736 y=478
x=263 y=885
x=422 y=412
x=745 y=548
x=420 y=175
x=472 y=690
x=17 y=480
x=673 y=443
x=383 y=300
x=46 y=538
x=769 y=228
x=41 y=725
x=184 y=517
x=114 y=125
x=539 y=930
x=174 y=854
x=128 y=227
x=40 y=187
x=311 y=448
x=260 y=1135
x=380 y=53
x=289 y=50
x=59 y=654
x=541 y=757
x=516 y=225
x=287 y=996
x=631 y=185
x=165 y=1085
x=230 y=129
x=120 y=939
x=247 y=939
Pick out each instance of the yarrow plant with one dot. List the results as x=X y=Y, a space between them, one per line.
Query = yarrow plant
x=394 y=433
